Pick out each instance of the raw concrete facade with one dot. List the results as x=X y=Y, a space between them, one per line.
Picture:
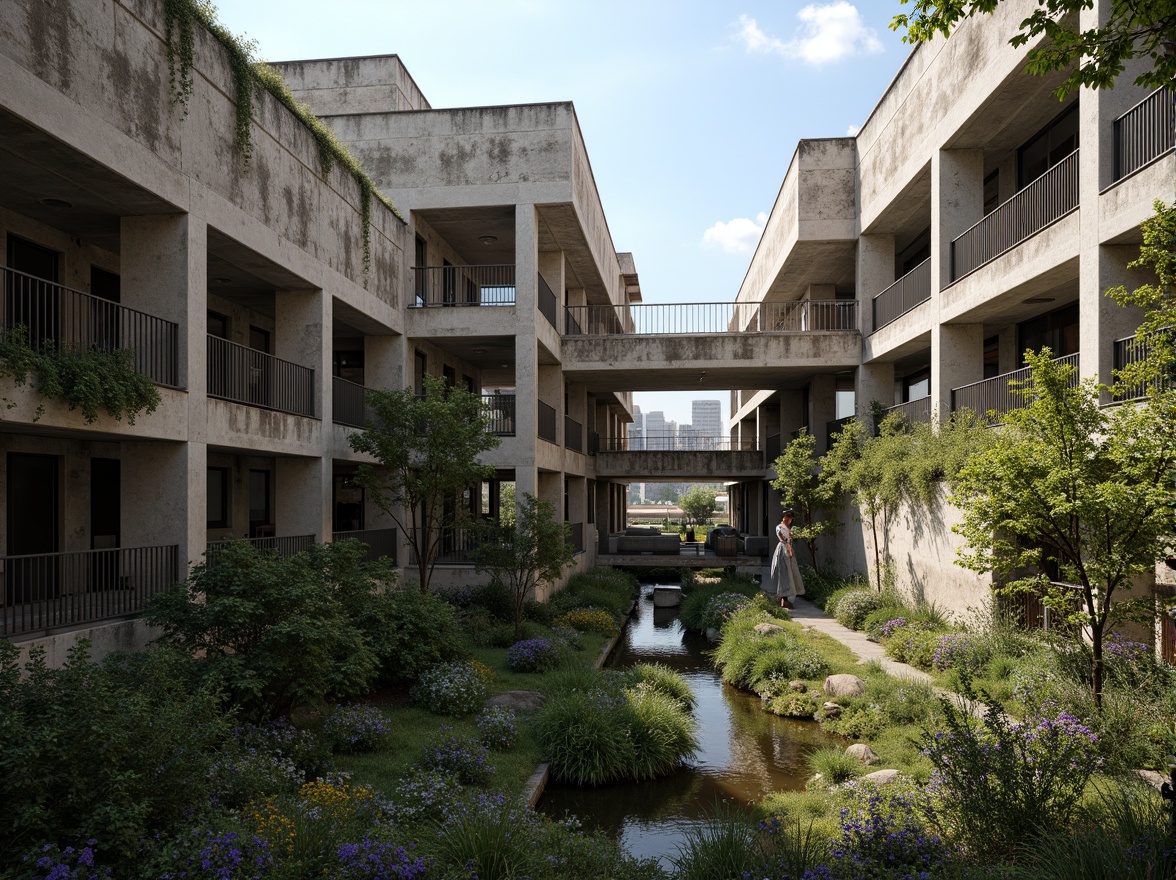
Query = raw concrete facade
x=973 y=216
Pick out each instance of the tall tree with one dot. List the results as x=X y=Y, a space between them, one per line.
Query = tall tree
x=697 y=505
x=427 y=451
x=802 y=487
x=1134 y=29
x=1069 y=485
x=533 y=548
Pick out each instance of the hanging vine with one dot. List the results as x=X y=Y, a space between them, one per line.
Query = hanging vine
x=249 y=74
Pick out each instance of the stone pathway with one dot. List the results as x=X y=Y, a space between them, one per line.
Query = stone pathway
x=810 y=616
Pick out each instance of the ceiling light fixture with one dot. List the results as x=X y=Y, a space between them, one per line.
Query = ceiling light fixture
x=1039 y=299
x=222 y=280
x=487 y=239
x=56 y=203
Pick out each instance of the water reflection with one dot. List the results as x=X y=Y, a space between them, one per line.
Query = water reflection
x=744 y=752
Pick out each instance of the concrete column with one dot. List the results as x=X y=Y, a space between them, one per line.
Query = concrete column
x=875 y=272
x=957 y=203
x=164 y=490
x=302 y=336
x=875 y=382
x=526 y=349
x=383 y=362
x=302 y=497
x=822 y=407
x=1101 y=319
x=957 y=358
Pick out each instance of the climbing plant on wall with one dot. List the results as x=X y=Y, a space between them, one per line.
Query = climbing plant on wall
x=249 y=75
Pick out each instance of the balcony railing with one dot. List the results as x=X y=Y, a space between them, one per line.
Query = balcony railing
x=834 y=428
x=547 y=423
x=381 y=543
x=1145 y=132
x=1133 y=350
x=347 y=403
x=1047 y=199
x=914 y=410
x=674 y=443
x=548 y=306
x=456 y=545
x=573 y=435
x=64 y=318
x=593 y=442
x=903 y=295
x=438 y=286
x=577 y=539
x=283 y=547
x=499 y=410
x=993 y=397
x=52 y=590
x=654 y=319
x=255 y=378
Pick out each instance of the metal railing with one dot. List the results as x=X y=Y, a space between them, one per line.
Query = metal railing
x=59 y=317
x=439 y=286
x=674 y=443
x=1133 y=350
x=573 y=435
x=255 y=378
x=547 y=423
x=348 y=406
x=456 y=545
x=903 y=295
x=1145 y=132
x=994 y=397
x=914 y=410
x=577 y=539
x=51 y=590
x=654 y=319
x=1045 y=200
x=283 y=547
x=499 y=411
x=1028 y=611
x=380 y=542
x=548 y=306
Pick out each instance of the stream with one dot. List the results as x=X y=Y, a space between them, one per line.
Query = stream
x=744 y=753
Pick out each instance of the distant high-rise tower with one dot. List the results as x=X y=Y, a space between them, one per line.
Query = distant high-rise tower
x=706 y=418
x=656 y=430
x=637 y=430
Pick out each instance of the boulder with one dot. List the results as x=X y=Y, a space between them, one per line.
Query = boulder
x=881 y=777
x=1152 y=777
x=517 y=701
x=767 y=629
x=799 y=686
x=831 y=710
x=844 y=685
x=862 y=752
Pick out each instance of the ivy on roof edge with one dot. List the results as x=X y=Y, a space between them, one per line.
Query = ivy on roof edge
x=180 y=17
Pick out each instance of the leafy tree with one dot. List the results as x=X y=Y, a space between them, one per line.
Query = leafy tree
x=1093 y=57
x=536 y=547
x=506 y=504
x=1091 y=486
x=427 y=448
x=697 y=505
x=802 y=487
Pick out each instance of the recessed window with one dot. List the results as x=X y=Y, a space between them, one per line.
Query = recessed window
x=218 y=498
x=1048 y=147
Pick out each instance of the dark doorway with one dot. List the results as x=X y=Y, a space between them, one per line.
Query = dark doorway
x=260 y=525
x=348 y=504
x=105 y=522
x=106 y=290
x=33 y=509
x=31 y=294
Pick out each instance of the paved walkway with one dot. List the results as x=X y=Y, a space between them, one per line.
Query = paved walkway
x=810 y=616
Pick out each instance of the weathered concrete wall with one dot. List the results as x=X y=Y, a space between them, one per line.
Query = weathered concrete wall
x=336 y=86
x=124 y=635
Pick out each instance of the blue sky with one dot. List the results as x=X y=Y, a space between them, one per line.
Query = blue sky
x=690 y=110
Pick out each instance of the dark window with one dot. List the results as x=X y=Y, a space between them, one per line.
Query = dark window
x=32 y=302
x=1048 y=147
x=914 y=253
x=106 y=289
x=349 y=497
x=1057 y=330
x=448 y=283
x=259 y=340
x=991 y=357
x=422 y=281
x=218 y=498
x=991 y=192
x=422 y=368
x=348 y=364
x=259 y=503
x=468 y=381
x=591 y=501
x=450 y=375
x=218 y=325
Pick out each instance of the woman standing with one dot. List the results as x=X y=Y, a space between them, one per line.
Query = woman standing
x=785 y=572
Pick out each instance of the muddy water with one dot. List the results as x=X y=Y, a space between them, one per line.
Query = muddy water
x=744 y=752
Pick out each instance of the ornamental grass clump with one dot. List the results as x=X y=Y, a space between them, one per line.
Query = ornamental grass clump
x=533 y=655
x=459 y=688
x=833 y=765
x=463 y=757
x=497 y=729
x=748 y=659
x=661 y=734
x=351 y=730
x=664 y=680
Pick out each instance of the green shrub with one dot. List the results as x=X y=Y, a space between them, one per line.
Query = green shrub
x=419 y=631
x=793 y=705
x=588 y=620
x=463 y=757
x=914 y=644
x=786 y=659
x=661 y=733
x=270 y=631
x=904 y=701
x=855 y=605
x=747 y=659
x=114 y=753
x=584 y=735
x=665 y=681
x=697 y=597
x=720 y=607
x=873 y=622
x=494 y=598
x=833 y=765
x=862 y=721
x=458 y=688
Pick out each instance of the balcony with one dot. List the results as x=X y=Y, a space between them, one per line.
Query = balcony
x=993 y=397
x=283 y=547
x=348 y=403
x=903 y=295
x=499 y=411
x=1145 y=132
x=573 y=435
x=244 y=375
x=65 y=318
x=381 y=543
x=455 y=545
x=658 y=319
x=913 y=410
x=1044 y=201
x=53 y=590
x=1133 y=350
x=450 y=286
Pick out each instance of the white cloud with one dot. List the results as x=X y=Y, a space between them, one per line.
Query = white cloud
x=852 y=130
x=738 y=236
x=829 y=32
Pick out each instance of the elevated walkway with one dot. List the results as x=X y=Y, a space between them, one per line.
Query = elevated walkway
x=680 y=465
